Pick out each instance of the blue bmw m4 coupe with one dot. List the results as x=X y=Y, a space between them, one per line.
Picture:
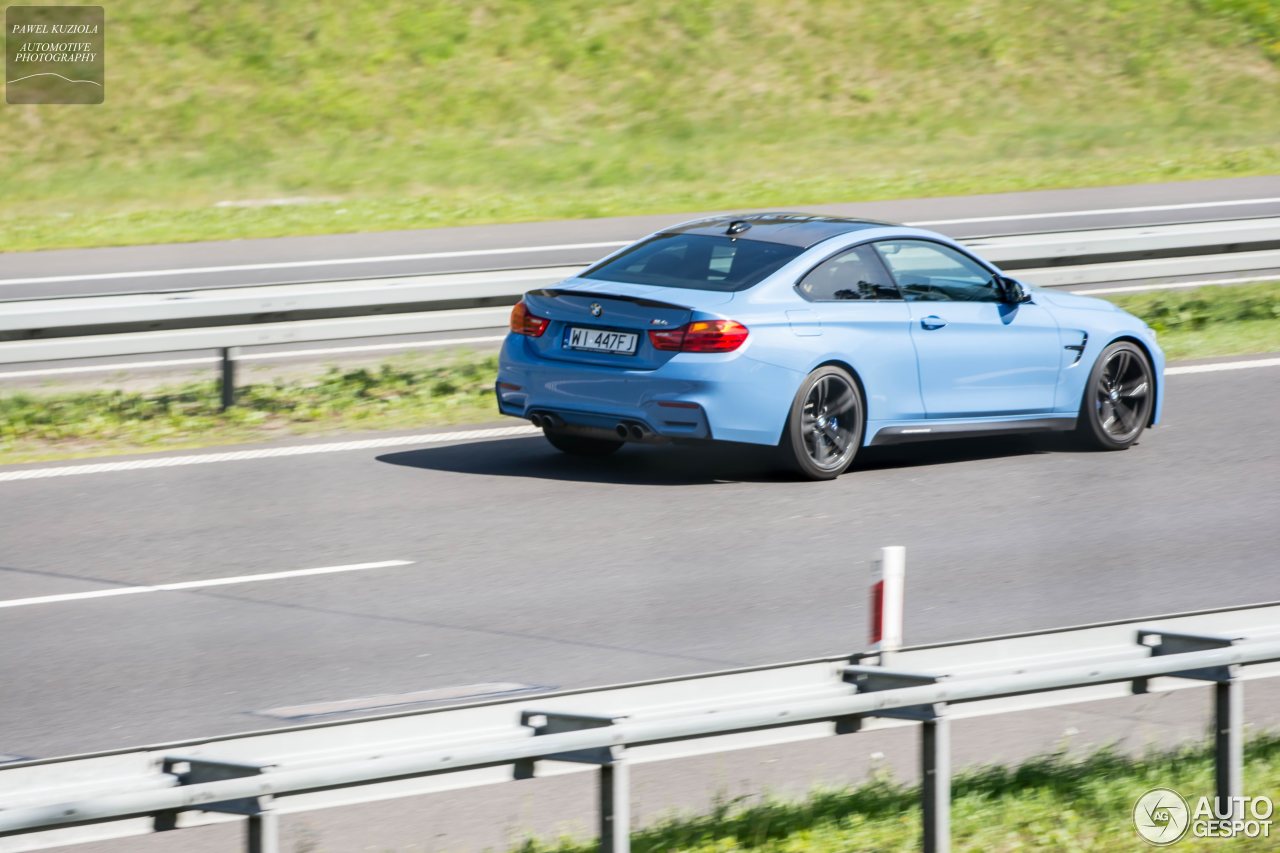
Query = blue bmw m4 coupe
x=820 y=336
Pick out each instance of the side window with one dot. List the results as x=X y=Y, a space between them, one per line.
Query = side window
x=853 y=274
x=935 y=273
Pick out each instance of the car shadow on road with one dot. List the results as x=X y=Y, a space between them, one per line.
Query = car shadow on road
x=636 y=465
x=947 y=451
x=691 y=464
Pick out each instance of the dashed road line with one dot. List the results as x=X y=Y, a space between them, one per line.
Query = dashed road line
x=113 y=592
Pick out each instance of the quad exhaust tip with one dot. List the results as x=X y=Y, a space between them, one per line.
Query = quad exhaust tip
x=626 y=430
x=633 y=430
x=545 y=420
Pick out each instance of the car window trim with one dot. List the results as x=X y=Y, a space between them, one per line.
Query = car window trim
x=879 y=261
x=981 y=263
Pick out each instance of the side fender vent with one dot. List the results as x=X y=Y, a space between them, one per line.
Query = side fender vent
x=1078 y=349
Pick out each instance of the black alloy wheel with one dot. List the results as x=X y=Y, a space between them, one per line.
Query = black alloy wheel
x=1118 y=398
x=824 y=429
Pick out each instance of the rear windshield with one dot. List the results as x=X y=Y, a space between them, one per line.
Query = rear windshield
x=695 y=262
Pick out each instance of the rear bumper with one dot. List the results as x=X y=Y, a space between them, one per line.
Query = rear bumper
x=722 y=396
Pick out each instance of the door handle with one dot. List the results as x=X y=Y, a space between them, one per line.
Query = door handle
x=933 y=321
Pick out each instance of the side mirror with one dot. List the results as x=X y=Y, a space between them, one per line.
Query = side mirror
x=1012 y=291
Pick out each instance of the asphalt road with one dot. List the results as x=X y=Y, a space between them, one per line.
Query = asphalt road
x=178 y=266
x=533 y=568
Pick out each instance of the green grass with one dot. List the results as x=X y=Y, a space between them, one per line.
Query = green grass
x=1261 y=19
x=1051 y=803
x=405 y=392
x=1211 y=321
x=417 y=390
x=404 y=114
x=1244 y=338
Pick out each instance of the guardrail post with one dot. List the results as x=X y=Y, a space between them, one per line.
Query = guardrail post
x=263 y=832
x=262 y=829
x=935 y=746
x=1228 y=743
x=228 y=383
x=1228 y=709
x=615 y=774
x=935 y=783
x=615 y=806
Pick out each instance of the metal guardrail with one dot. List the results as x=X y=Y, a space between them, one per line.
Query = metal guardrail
x=551 y=732
x=228 y=318
x=1110 y=245
x=33 y=319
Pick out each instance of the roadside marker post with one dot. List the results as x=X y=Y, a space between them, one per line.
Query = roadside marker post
x=888 y=579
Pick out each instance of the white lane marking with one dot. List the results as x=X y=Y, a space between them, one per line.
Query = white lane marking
x=261 y=356
x=1099 y=211
x=564 y=246
x=1226 y=365
x=328 y=262
x=1175 y=285
x=409 y=440
x=267 y=453
x=181 y=585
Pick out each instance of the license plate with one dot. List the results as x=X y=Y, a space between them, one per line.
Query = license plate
x=602 y=340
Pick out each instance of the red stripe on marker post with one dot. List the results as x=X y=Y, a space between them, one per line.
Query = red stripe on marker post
x=888 y=579
x=877 y=611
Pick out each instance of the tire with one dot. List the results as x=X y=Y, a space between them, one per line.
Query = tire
x=1117 y=400
x=579 y=445
x=825 y=424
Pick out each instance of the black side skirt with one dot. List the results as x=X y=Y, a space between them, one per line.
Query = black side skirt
x=924 y=432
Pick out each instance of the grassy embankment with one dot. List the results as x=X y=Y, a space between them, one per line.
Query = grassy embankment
x=416 y=114
x=419 y=391
x=1047 y=804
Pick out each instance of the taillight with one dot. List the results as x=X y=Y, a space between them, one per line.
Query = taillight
x=714 y=336
x=668 y=339
x=701 y=336
x=524 y=323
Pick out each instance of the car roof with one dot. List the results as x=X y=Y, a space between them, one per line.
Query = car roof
x=791 y=229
